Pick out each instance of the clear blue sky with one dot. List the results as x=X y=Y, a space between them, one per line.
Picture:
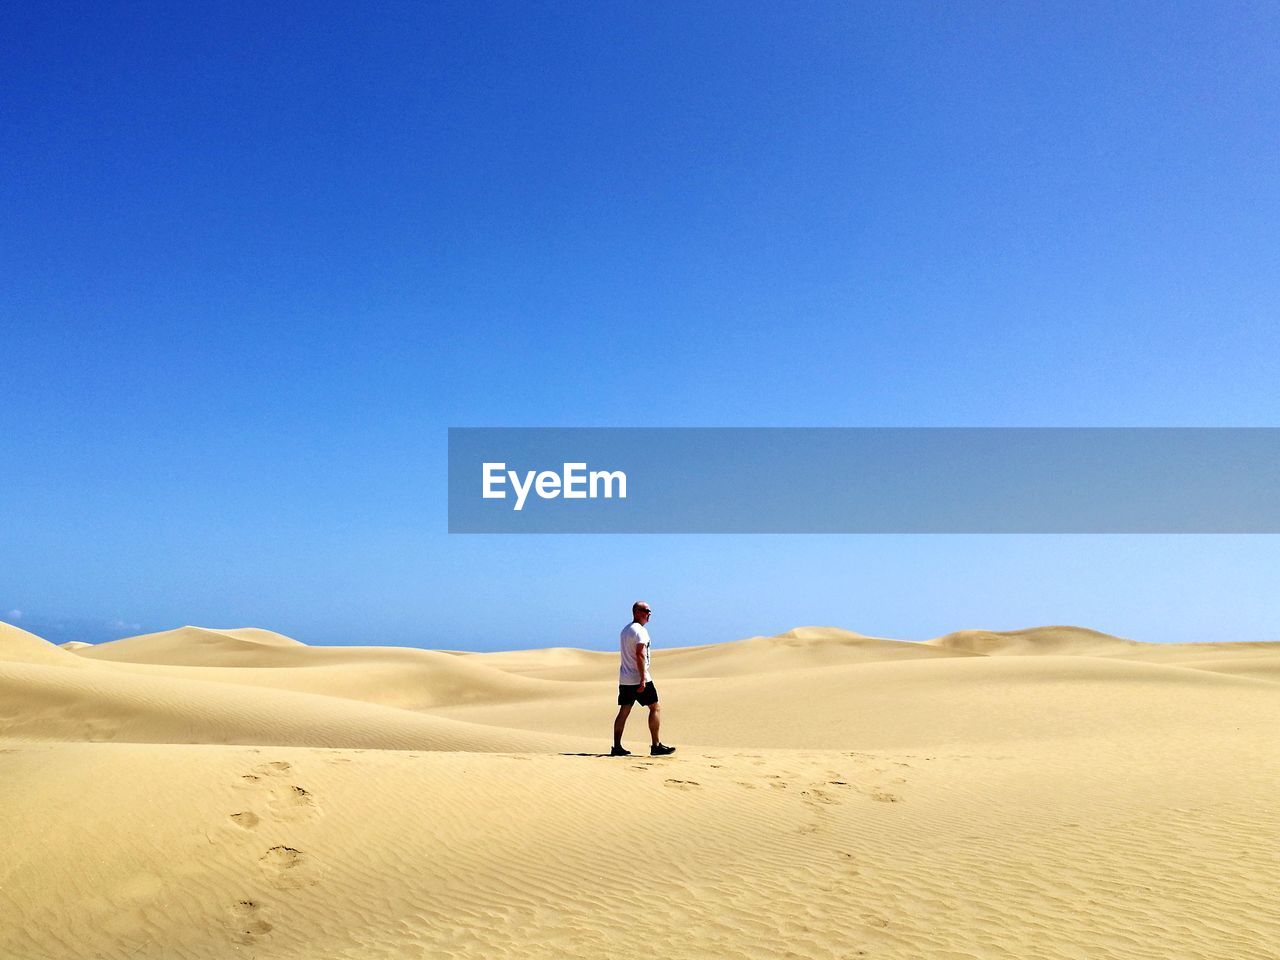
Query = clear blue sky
x=254 y=262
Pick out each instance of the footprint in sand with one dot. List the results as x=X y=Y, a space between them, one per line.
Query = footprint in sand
x=247 y=922
x=276 y=768
x=282 y=858
x=683 y=784
x=287 y=867
x=285 y=802
x=246 y=818
x=816 y=795
x=293 y=803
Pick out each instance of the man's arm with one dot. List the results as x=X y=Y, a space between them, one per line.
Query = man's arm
x=640 y=664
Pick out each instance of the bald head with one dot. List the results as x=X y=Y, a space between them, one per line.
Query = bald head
x=640 y=611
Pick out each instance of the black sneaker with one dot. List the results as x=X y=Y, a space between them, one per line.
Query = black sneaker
x=661 y=750
x=619 y=752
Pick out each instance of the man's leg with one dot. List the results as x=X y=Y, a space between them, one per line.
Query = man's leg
x=655 y=718
x=619 y=722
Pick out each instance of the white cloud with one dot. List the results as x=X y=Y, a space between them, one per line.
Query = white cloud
x=14 y=614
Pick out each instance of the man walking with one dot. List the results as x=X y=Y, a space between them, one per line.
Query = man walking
x=635 y=683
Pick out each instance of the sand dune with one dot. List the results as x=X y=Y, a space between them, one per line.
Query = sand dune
x=392 y=676
x=796 y=649
x=1053 y=792
x=197 y=646
x=39 y=702
x=18 y=646
x=1073 y=641
x=917 y=703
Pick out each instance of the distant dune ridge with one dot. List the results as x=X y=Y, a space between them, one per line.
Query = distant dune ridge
x=1048 y=792
x=18 y=646
x=1071 y=641
x=194 y=646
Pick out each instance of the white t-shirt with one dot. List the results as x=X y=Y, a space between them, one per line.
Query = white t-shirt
x=633 y=635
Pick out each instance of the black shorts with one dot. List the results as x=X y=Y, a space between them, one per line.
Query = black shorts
x=627 y=694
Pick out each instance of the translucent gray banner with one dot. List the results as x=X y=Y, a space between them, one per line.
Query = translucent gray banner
x=864 y=480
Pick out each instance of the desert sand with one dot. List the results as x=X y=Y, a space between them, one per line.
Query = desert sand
x=1045 y=793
